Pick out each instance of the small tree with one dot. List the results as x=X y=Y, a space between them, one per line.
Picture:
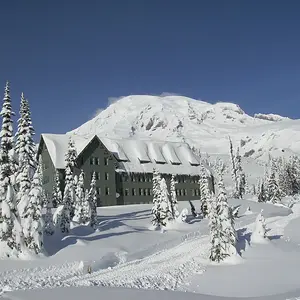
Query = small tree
x=25 y=148
x=33 y=223
x=70 y=159
x=165 y=205
x=92 y=197
x=260 y=231
x=223 y=234
x=174 y=202
x=204 y=191
x=80 y=197
x=241 y=178
x=156 y=192
x=234 y=171
x=56 y=192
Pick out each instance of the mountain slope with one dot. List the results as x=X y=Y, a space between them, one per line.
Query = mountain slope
x=201 y=124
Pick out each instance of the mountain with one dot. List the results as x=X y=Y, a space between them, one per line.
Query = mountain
x=201 y=124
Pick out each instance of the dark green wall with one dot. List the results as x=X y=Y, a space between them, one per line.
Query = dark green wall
x=116 y=183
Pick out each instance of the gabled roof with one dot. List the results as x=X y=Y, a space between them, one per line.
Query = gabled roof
x=134 y=155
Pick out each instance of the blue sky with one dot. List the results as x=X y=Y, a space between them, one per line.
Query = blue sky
x=70 y=56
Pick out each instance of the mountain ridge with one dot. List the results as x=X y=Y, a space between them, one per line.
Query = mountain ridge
x=199 y=123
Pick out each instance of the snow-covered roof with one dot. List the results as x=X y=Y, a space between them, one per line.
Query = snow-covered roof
x=134 y=155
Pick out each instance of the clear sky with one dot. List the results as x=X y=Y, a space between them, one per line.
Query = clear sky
x=70 y=56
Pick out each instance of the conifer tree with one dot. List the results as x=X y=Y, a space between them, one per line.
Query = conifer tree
x=10 y=229
x=241 y=178
x=234 y=174
x=56 y=192
x=92 y=198
x=204 y=192
x=33 y=222
x=25 y=148
x=174 y=202
x=260 y=231
x=223 y=234
x=273 y=189
x=80 y=197
x=165 y=205
x=64 y=217
x=156 y=192
x=70 y=159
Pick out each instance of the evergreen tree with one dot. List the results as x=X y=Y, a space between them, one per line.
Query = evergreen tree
x=174 y=202
x=261 y=192
x=241 y=178
x=64 y=217
x=33 y=222
x=25 y=148
x=80 y=197
x=223 y=234
x=87 y=211
x=56 y=192
x=234 y=171
x=165 y=204
x=260 y=231
x=70 y=159
x=204 y=192
x=156 y=192
x=92 y=197
x=273 y=189
x=10 y=229
x=49 y=227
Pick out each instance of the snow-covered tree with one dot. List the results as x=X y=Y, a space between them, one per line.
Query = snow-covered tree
x=63 y=217
x=173 y=196
x=70 y=159
x=234 y=174
x=223 y=234
x=10 y=229
x=273 y=189
x=261 y=191
x=165 y=204
x=56 y=192
x=32 y=221
x=156 y=192
x=24 y=183
x=204 y=191
x=241 y=178
x=25 y=148
x=49 y=227
x=80 y=197
x=260 y=231
x=92 y=198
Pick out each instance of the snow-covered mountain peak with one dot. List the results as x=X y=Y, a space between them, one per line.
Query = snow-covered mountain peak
x=202 y=124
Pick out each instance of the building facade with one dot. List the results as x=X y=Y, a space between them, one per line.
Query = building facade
x=123 y=168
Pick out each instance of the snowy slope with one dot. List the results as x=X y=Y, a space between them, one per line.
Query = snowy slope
x=204 y=125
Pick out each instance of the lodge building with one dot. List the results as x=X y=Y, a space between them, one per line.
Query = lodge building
x=123 y=167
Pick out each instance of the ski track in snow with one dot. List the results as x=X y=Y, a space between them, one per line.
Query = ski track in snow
x=164 y=270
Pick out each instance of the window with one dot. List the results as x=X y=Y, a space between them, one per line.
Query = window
x=106 y=159
x=98 y=191
x=193 y=192
x=197 y=192
x=141 y=191
x=133 y=192
x=126 y=192
x=97 y=161
x=92 y=161
x=106 y=176
x=146 y=192
x=150 y=192
x=106 y=191
x=133 y=178
x=97 y=175
x=181 y=192
x=177 y=192
x=185 y=192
